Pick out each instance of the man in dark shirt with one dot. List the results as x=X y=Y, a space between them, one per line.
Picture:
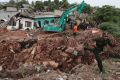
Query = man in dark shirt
x=100 y=42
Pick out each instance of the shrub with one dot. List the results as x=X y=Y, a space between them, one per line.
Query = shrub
x=110 y=27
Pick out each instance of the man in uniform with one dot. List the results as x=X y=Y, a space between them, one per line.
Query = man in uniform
x=100 y=43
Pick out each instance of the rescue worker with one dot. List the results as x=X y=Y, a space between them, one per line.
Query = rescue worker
x=100 y=43
x=75 y=29
x=71 y=23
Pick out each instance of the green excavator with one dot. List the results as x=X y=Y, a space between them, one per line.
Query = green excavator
x=61 y=23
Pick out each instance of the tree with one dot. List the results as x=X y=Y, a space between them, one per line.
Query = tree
x=51 y=6
x=107 y=14
x=109 y=19
x=12 y=2
x=19 y=3
x=88 y=9
x=66 y=4
x=56 y=2
x=39 y=5
x=46 y=3
x=33 y=4
x=49 y=1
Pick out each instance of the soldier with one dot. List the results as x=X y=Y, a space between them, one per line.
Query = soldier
x=100 y=43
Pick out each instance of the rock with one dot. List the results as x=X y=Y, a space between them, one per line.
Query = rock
x=33 y=51
x=62 y=48
x=78 y=59
x=53 y=64
x=96 y=33
x=79 y=47
x=69 y=50
x=45 y=63
x=50 y=63
x=75 y=53
x=118 y=73
x=59 y=79
x=1 y=68
x=25 y=64
x=12 y=28
x=64 y=54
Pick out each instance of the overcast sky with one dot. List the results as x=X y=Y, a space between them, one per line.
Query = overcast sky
x=100 y=3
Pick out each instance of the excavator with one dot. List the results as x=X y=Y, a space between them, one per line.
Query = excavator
x=61 y=23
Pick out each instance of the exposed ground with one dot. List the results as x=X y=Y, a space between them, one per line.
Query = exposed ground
x=54 y=56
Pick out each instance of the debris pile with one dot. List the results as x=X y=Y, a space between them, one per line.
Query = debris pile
x=3 y=30
x=56 y=51
x=7 y=51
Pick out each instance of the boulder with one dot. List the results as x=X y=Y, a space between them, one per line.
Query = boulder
x=80 y=47
x=69 y=50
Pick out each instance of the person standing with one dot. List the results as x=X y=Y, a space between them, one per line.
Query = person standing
x=71 y=23
x=75 y=29
x=100 y=43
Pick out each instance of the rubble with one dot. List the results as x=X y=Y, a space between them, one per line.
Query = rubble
x=3 y=30
x=51 y=50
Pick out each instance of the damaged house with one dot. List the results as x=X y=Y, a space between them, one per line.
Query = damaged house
x=32 y=22
x=6 y=14
x=19 y=21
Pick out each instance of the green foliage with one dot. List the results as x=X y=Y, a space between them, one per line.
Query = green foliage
x=56 y=4
x=66 y=4
x=15 y=3
x=109 y=19
x=20 y=3
x=52 y=6
x=112 y=28
x=88 y=9
x=108 y=26
x=39 y=5
x=12 y=2
x=107 y=14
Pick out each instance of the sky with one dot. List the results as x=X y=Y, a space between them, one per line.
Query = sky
x=100 y=3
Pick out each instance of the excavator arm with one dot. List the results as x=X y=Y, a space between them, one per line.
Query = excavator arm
x=78 y=8
x=60 y=28
x=65 y=14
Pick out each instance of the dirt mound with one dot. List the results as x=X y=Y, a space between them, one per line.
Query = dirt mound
x=7 y=51
x=3 y=30
x=60 y=50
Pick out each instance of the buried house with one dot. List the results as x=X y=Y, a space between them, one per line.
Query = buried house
x=5 y=16
x=21 y=22
x=32 y=23
x=45 y=20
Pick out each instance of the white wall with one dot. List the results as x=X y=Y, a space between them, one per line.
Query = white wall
x=22 y=21
x=11 y=9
